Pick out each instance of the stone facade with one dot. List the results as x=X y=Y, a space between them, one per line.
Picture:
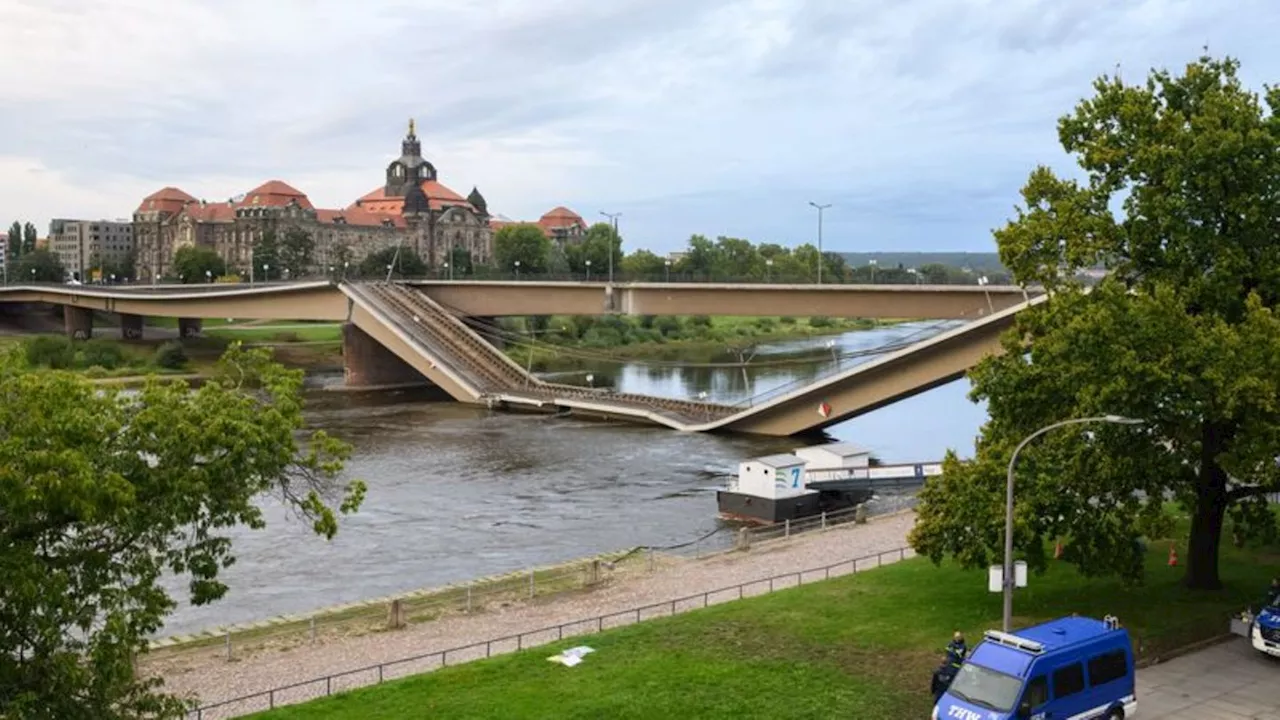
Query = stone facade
x=412 y=209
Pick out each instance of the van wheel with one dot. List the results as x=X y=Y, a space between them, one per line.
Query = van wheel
x=1116 y=714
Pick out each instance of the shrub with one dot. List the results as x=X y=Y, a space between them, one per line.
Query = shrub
x=766 y=324
x=787 y=320
x=51 y=351
x=667 y=325
x=95 y=371
x=700 y=321
x=171 y=355
x=820 y=321
x=100 y=353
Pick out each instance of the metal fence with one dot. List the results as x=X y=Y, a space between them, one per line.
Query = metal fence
x=373 y=674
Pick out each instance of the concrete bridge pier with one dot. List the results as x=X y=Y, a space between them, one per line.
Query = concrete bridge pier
x=367 y=364
x=78 y=321
x=190 y=327
x=130 y=326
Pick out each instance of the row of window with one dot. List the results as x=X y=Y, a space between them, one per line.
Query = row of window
x=1070 y=679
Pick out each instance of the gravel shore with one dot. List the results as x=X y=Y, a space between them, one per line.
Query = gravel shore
x=213 y=679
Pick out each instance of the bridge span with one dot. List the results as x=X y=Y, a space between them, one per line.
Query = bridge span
x=401 y=333
x=323 y=300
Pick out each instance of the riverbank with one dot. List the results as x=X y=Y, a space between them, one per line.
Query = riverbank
x=207 y=673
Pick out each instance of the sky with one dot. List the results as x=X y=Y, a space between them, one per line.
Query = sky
x=917 y=120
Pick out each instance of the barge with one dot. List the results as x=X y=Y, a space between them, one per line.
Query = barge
x=813 y=480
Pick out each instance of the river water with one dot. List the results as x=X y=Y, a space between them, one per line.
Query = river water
x=457 y=492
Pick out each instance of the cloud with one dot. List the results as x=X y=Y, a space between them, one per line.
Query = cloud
x=918 y=120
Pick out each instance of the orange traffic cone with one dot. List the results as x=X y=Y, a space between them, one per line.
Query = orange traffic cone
x=1173 y=556
x=1057 y=551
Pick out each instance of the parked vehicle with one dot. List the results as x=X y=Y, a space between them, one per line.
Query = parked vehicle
x=1072 y=667
x=1264 y=633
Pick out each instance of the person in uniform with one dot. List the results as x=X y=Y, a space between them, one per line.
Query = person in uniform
x=957 y=650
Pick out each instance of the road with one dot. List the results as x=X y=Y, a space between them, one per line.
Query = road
x=1229 y=681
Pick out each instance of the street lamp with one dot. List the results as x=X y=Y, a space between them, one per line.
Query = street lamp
x=345 y=265
x=768 y=270
x=667 y=263
x=1007 y=580
x=873 y=265
x=266 y=272
x=517 y=270
x=820 y=209
x=448 y=269
x=613 y=219
x=982 y=281
x=208 y=274
x=588 y=263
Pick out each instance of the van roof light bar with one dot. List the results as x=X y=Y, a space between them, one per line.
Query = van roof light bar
x=1014 y=641
x=1111 y=622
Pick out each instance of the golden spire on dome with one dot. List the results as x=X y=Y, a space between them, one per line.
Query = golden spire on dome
x=411 y=127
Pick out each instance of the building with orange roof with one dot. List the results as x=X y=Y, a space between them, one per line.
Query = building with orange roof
x=562 y=225
x=412 y=209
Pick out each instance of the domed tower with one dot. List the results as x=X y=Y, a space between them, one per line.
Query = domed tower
x=410 y=169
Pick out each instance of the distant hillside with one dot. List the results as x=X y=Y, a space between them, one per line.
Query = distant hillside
x=980 y=262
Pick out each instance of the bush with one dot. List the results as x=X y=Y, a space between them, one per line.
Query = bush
x=171 y=355
x=52 y=351
x=787 y=320
x=820 y=321
x=766 y=324
x=697 y=321
x=101 y=354
x=95 y=371
x=667 y=325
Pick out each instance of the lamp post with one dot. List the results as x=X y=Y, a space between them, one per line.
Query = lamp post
x=873 y=265
x=820 y=208
x=517 y=270
x=345 y=266
x=266 y=272
x=208 y=275
x=613 y=220
x=449 y=269
x=667 y=264
x=982 y=281
x=588 y=264
x=1007 y=580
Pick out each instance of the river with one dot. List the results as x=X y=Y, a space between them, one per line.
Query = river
x=457 y=492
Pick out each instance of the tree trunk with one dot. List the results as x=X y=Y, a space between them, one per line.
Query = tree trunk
x=1207 y=516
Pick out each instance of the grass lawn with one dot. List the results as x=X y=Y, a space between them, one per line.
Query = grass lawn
x=859 y=646
x=283 y=333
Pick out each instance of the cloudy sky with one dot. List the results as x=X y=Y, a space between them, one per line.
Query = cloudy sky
x=916 y=119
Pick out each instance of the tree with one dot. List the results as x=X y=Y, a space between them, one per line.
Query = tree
x=524 y=243
x=460 y=261
x=296 y=251
x=406 y=262
x=29 y=238
x=265 y=257
x=645 y=265
x=198 y=264
x=103 y=492
x=595 y=247
x=1182 y=333
x=39 y=266
x=15 y=241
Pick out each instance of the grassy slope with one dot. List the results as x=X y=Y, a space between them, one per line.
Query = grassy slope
x=853 y=647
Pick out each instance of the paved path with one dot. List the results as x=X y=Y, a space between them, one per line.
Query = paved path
x=1230 y=681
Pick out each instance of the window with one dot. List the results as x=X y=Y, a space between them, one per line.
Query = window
x=1068 y=680
x=1108 y=667
x=1037 y=692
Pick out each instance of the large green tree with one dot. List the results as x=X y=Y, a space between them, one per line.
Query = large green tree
x=198 y=264
x=14 y=241
x=29 y=237
x=403 y=261
x=1180 y=201
x=38 y=266
x=596 y=246
x=297 y=249
x=101 y=492
x=524 y=243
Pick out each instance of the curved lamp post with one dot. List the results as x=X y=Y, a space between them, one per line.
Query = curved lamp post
x=1007 y=580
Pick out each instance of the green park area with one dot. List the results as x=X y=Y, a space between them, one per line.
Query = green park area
x=858 y=646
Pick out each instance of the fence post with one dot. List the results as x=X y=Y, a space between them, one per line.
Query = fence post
x=228 y=644
x=650 y=559
x=786 y=528
x=530 y=583
x=469 y=598
x=824 y=519
x=313 y=631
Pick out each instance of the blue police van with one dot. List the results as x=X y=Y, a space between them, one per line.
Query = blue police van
x=1265 y=633
x=1067 y=669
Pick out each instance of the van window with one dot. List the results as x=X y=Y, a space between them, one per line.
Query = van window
x=1037 y=692
x=1108 y=667
x=1068 y=680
